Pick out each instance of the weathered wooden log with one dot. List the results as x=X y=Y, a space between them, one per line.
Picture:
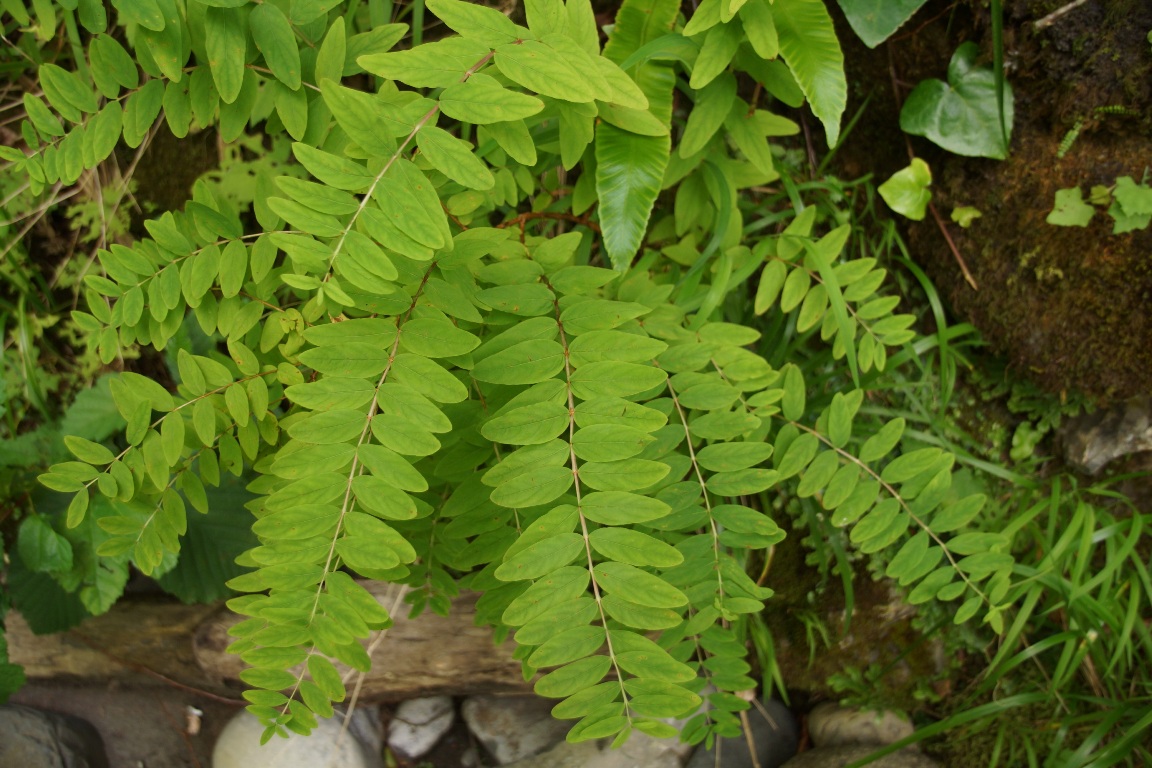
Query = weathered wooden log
x=426 y=656
x=138 y=641
x=149 y=641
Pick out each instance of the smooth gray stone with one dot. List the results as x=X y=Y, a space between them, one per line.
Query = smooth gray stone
x=512 y=728
x=1092 y=440
x=838 y=757
x=32 y=738
x=326 y=747
x=640 y=751
x=831 y=725
x=776 y=741
x=418 y=724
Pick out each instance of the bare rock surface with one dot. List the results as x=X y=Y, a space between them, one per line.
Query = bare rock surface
x=418 y=724
x=32 y=738
x=512 y=728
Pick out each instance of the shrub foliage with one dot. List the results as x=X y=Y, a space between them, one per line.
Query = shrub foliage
x=484 y=327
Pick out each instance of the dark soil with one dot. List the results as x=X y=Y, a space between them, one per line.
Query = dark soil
x=816 y=639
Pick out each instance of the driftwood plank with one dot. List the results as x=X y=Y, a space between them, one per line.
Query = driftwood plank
x=148 y=641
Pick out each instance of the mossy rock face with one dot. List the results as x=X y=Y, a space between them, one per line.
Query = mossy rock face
x=1069 y=307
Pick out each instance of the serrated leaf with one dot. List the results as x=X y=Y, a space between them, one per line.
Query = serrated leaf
x=41 y=547
x=713 y=103
x=809 y=46
x=629 y=173
x=716 y=52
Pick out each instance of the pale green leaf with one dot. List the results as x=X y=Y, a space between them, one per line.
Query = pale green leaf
x=809 y=46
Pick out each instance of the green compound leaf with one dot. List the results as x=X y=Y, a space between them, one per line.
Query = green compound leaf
x=433 y=65
x=487 y=25
x=634 y=548
x=482 y=100
x=408 y=358
x=573 y=678
x=635 y=585
x=544 y=69
x=225 y=39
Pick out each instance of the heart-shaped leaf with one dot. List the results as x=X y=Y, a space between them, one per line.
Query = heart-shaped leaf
x=961 y=115
x=906 y=192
